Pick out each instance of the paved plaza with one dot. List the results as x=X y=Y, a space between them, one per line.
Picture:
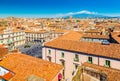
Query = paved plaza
x=34 y=50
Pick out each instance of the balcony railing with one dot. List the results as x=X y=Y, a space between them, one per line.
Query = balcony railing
x=90 y=62
x=76 y=59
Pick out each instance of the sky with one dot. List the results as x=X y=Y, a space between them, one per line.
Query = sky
x=51 y=8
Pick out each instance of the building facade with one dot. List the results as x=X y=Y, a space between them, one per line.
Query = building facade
x=12 y=38
x=39 y=37
x=71 y=54
x=36 y=37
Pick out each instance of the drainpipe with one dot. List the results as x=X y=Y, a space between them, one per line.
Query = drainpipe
x=45 y=54
x=98 y=60
x=55 y=55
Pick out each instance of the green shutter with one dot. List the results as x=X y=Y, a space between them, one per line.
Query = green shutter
x=89 y=59
x=76 y=58
x=107 y=63
x=62 y=55
x=49 y=51
x=1 y=41
x=9 y=41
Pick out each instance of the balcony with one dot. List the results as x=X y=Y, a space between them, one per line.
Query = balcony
x=107 y=65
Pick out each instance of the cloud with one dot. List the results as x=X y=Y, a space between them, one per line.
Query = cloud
x=75 y=13
x=111 y=14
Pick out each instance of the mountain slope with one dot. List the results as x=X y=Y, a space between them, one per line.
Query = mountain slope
x=87 y=16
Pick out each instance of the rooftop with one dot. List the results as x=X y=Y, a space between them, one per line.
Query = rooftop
x=93 y=31
x=71 y=42
x=113 y=74
x=116 y=36
x=3 y=50
x=38 y=32
x=60 y=31
x=24 y=66
x=3 y=29
x=72 y=35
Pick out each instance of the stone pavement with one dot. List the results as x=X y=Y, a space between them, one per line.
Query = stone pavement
x=35 y=50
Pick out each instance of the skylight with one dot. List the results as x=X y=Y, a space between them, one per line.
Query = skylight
x=5 y=73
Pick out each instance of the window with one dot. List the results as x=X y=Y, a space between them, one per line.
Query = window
x=62 y=55
x=76 y=58
x=9 y=41
x=2 y=36
x=49 y=52
x=92 y=40
x=107 y=63
x=43 y=40
x=89 y=59
x=1 y=41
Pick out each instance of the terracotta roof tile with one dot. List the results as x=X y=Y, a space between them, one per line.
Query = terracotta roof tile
x=72 y=35
x=32 y=31
x=116 y=36
x=3 y=51
x=71 y=42
x=61 y=31
x=93 y=31
x=23 y=66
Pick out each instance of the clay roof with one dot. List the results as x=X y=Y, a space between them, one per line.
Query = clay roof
x=24 y=66
x=31 y=31
x=71 y=42
x=3 y=51
x=61 y=31
x=4 y=28
x=93 y=31
x=116 y=36
x=16 y=30
x=72 y=35
x=113 y=74
x=15 y=51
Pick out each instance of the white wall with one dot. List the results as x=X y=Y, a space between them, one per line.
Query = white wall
x=113 y=63
x=70 y=63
